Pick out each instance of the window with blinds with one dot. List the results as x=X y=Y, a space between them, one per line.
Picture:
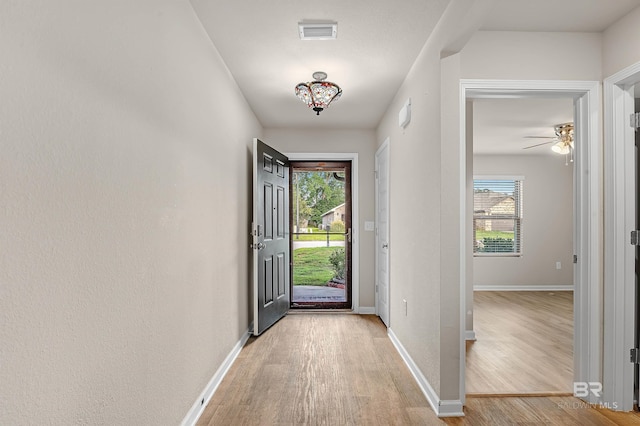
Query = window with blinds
x=497 y=216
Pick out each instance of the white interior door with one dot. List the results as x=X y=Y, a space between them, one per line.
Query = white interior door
x=270 y=231
x=382 y=232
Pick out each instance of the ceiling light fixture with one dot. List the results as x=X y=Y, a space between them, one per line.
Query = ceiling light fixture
x=318 y=94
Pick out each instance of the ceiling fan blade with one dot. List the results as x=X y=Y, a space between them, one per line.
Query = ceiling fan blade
x=540 y=144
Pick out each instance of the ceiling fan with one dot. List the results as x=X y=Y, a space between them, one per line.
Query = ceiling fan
x=562 y=141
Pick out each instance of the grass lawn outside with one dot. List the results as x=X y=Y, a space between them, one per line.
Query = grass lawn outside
x=494 y=234
x=311 y=266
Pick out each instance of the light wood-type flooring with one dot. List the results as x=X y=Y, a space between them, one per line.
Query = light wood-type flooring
x=524 y=343
x=341 y=369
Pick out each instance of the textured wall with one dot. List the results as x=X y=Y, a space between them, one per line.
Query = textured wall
x=414 y=239
x=520 y=55
x=123 y=283
x=621 y=44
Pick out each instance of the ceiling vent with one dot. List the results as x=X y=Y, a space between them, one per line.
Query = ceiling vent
x=318 y=31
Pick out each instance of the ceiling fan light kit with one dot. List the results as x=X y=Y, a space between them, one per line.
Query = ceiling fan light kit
x=562 y=142
x=564 y=146
x=318 y=94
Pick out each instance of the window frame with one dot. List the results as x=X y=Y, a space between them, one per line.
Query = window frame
x=518 y=217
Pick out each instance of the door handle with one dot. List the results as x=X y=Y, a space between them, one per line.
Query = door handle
x=348 y=235
x=385 y=245
x=258 y=246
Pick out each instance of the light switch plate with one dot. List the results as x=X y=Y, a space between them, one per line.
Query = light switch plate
x=369 y=226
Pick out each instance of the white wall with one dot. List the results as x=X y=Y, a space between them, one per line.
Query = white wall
x=519 y=55
x=425 y=268
x=359 y=141
x=547 y=225
x=123 y=284
x=414 y=188
x=621 y=44
x=425 y=176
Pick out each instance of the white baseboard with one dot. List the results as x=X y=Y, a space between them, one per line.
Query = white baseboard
x=198 y=407
x=447 y=408
x=367 y=310
x=451 y=408
x=470 y=335
x=523 y=288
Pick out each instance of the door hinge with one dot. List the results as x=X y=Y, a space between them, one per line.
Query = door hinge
x=634 y=121
x=575 y=258
x=375 y=172
x=635 y=238
x=376 y=288
x=633 y=356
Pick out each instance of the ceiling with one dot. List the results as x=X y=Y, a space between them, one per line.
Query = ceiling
x=377 y=43
x=502 y=126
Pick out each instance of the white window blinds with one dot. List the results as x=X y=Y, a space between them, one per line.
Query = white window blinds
x=497 y=216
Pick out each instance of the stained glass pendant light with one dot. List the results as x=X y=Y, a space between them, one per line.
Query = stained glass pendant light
x=319 y=93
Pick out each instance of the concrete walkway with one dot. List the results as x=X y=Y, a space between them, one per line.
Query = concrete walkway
x=308 y=244
x=312 y=293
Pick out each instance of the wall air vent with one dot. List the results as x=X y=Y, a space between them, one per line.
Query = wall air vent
x=318 y=31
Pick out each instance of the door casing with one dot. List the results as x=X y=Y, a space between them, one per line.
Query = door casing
x=588 y=218
x=619 y=257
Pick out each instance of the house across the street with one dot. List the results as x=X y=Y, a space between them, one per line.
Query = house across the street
x=336 y=213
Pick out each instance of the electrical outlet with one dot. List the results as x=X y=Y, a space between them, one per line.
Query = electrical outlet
x=405 y=306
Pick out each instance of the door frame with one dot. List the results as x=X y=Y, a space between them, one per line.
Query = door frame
x=619 y=258
x=324 y=165
x=385 y=145
x=355 y=223
x=587 y=221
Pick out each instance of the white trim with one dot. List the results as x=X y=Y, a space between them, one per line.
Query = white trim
x=619 y=258
x=198 y=407
x=385 y=145
x=523 y=288
x=588 y=217
x=451 y=408
x=367 y=310
x=470 y=335
x=445 y=408
x=355 y=221
x=497 y=177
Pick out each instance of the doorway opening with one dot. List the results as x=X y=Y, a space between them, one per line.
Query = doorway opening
x=321 y=235
x=522 y=227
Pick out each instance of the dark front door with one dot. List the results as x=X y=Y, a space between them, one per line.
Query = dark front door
x=270 y=232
